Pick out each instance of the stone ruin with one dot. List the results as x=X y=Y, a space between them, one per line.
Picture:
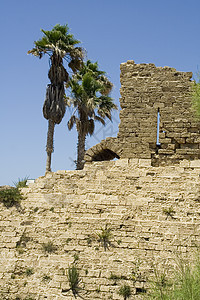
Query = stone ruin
x=149 y=198
x=147 y=90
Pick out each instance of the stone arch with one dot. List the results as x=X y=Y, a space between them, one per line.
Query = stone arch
x=107 y=149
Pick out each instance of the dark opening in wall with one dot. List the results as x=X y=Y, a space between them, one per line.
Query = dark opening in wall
x=105 y=154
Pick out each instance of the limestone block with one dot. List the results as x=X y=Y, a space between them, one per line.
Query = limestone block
x=195 y=163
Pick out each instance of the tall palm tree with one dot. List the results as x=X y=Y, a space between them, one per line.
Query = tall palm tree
x=59 y=44
x=90 y=90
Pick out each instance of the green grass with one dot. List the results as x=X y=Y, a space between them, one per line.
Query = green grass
x=184 y=286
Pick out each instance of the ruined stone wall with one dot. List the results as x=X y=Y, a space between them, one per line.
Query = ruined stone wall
x=153 y=214
x=147 y=201
x=145 y=89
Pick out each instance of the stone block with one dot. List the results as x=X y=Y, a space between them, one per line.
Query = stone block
x=145 y=162
x=195 y=163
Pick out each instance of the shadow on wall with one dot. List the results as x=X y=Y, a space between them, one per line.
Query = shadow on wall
x=105 y=154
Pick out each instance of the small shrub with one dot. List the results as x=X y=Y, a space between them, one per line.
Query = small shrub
x=10 y=196
x=46 y=278
x=12 y=276
x=68 y=240
x=86 y=271
x=29 y=272
x=125 y=291
x=49 y=247
x=36 y=209
x=73 y=277
x=119 y=242
x=21 y=183
x=169 y=212
x=104 y=237
x=52 y=209
x=196 y=97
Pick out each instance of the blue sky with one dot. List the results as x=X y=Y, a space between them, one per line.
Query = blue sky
x=165 y=33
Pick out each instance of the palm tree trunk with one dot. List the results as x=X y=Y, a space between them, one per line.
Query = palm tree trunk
x=80 y=151
x=49 y=146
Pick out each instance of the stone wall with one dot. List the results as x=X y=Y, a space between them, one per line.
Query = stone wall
x=153 y=214
x=146 y=204
x=145 y=90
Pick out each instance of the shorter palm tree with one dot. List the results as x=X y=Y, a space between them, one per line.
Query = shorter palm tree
x=90 y=89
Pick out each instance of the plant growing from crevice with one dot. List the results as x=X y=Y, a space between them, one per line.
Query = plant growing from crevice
x=21 y=183
x=76 y=257
x=10 y=196
x=29 y=271
x=49 y=247
x=125 y=291
x=169 y=212
x=46 y=278
x=105 y=236
x=73 y=277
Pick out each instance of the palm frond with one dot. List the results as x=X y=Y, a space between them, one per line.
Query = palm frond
x=90 y=129
x=99 y=119
x=71 y=122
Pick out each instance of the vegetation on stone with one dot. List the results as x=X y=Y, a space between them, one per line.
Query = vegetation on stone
x=49 y=247
x=125 y=291
x=73 y=277
x=196 y=97
x=184 y=286
x=90 y=90
x=21 y=183
x=105 y=236
x=10 y=196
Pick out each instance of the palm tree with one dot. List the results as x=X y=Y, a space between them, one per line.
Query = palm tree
x=59 y=44
x=90 y=90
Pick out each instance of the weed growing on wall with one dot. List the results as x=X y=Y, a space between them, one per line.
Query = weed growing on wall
x=21 y=183
x=29 y=272
x=105 y=236
x=10 y=196
x=169 y=212
x=46 y=278
x=73 y=277
x=125 y=291
x=49 y=247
